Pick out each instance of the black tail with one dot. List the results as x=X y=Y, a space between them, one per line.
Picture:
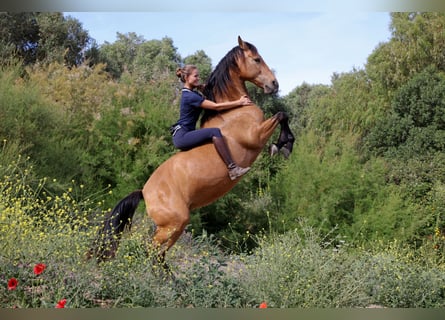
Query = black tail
x=107 y=242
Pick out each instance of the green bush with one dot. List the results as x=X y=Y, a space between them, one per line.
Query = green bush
x=416 y=120
x=301 y=268
x=399 y=277
x=326 y=183
x=37 y=226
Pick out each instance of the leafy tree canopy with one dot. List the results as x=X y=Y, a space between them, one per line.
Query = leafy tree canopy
x=42 y=37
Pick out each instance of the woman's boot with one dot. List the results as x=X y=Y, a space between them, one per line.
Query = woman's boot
x=235 y=171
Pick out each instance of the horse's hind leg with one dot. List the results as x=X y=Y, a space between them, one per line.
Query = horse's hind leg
x=164 y=238
x=168 y=233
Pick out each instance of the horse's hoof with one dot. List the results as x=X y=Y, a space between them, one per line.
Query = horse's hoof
x=285 y=151
x=273 y=149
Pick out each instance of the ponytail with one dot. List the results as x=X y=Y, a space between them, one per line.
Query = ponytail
x=183 y=72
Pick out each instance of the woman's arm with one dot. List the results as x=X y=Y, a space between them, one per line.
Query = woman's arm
x=243 y=101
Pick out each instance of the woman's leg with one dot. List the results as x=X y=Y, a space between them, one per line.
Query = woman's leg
x=185 y=140
x=221 y=147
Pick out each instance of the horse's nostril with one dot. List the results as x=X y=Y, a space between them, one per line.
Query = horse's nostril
x=275 y=83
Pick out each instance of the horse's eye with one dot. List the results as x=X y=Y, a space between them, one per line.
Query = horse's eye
x=257 y=60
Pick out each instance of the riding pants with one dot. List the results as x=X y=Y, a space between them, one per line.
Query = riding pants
x=185 y=140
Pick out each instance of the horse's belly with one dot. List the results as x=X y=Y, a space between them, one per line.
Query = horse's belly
x=193 y=178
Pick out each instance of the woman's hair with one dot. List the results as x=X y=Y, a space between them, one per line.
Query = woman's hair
x=183 y=72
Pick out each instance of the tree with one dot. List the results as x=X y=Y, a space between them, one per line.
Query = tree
x=19 y=35
x=412 y=136
x=61 y=39
x=143 y=60
x=300 y=100
x=156 y=60
x=119 y=55
x=42 y=37
x=417 y=41
x=416 y=124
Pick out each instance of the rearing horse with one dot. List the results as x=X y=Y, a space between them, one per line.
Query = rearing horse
x=197 y=177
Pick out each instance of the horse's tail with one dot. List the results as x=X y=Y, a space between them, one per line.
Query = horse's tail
x=107 y=242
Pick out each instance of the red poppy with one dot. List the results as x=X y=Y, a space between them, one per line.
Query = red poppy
x=263 y=305
x=61 y=304
x=38 y=268
x=12 y=284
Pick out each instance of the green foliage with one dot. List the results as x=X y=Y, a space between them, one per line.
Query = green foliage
x=132 y=139
x=412 y=136
x=61 y=39
x=401 y=277
x=17 y=30
x=346 y=108
x=417 y=42
x=300 y=268
x=326 y=183
x=145 y=61
x=360 y=200
x=155 y=60
x=300 y=101
x=416 y=122
x=119 y=55
x=28 y=121
x=53 y=133
x=83 y=93
x=42 y=37
x=35 y=225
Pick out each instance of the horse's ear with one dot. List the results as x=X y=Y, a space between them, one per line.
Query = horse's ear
x=241 y=43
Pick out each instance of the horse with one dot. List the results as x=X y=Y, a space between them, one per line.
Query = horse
x=197 y=177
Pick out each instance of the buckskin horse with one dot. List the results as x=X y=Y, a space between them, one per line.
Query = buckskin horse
x=197 y=177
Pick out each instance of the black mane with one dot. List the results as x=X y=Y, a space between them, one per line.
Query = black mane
x=219 y=80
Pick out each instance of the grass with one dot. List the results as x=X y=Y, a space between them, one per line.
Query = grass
x=300 y=268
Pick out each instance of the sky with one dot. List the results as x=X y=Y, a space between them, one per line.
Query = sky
x=301 y=47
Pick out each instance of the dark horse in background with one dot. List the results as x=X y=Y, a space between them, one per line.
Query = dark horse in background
x=197 y=177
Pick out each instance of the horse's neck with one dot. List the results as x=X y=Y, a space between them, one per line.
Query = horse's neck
x=236 y=90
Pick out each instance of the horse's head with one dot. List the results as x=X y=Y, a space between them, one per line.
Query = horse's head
x=242 y=63
x=253 y=68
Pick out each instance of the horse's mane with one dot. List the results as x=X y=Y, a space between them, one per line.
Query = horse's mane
x=220 y=80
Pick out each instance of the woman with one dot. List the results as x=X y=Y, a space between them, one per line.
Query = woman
x=185 y=134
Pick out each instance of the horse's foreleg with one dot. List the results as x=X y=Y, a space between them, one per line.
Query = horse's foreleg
x=268 y=126
x=285 y=140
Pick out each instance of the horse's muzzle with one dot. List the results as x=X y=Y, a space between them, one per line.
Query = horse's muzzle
x=272 y=87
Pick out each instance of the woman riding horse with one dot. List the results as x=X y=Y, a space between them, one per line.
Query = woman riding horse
x=196 y=177
x=185 y=135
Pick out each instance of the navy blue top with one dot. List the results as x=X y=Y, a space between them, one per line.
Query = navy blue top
x=190 y=109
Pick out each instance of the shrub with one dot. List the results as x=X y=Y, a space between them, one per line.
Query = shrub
x=42 y=262
x=40 y=227
x=301 y=269
x=400 y=277
x=325 y=183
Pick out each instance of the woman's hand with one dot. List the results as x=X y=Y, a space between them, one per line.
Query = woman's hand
x=244 y=101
